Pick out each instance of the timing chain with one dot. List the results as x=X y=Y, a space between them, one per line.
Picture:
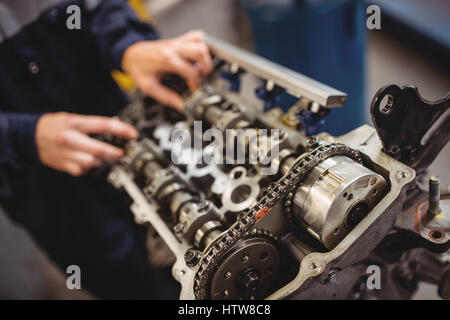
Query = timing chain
x=247 y=220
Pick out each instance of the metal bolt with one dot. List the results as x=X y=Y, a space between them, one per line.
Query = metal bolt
x=178 y=228
x=245 y=258
x=315 y=107
x=312 y=143
x=402 y=175
x=250 y=280
x=394 y=151
x=228 y=275
x=332 y=276
x=192 y=257
x=434 y=195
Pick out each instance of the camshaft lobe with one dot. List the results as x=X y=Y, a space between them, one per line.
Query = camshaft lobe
x=247 y=221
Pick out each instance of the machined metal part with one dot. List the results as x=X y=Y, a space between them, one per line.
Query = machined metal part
x=298 y=249
x=146 y=212
x=433 y=228
x=207 y=233
x=248 y=220
x=247 y=272
x=293 y=82
x=412 y=129
x=241 y=192
x=194 y=216
x=331 y=206
x=357 y=245
x=435 y=195
x=335 y=197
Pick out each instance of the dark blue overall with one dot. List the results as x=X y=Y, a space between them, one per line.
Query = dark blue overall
x=46 y=67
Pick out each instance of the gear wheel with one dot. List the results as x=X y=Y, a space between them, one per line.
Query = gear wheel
x=247 y=221
x=248 y=270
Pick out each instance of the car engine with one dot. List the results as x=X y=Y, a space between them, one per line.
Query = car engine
x=252 y=202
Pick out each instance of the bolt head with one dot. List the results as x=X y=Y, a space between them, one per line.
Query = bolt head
x=178 y=228
x=250 y=280
x=332 y=276
x=192 y=257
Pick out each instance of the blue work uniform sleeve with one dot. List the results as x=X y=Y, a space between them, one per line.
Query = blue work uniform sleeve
x=17 y=139
x=115 y=27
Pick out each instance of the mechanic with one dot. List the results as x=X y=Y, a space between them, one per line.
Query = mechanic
x=56 y=90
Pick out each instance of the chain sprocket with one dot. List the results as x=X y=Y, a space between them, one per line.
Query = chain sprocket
x=247 y=221
x=258 y=255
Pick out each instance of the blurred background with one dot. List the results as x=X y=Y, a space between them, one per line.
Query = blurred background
x=329 y=41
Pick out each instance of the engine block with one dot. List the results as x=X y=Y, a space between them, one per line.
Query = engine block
x=249 y=204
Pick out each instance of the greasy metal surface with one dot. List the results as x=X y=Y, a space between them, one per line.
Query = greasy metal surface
x=313 y=278
x=358 y=244
x=246 y=221
x=145 y=212
x=327 y=198
x=412 y=129
x=434 y=228
x=256 y=255
x=368 y=233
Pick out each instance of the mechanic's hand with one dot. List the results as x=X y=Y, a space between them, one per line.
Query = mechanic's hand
x=63 y=143
x=187 y=56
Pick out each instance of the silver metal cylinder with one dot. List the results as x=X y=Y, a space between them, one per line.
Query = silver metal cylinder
x=297 y=248
x=434 y=195
x=207 y=233
x=335 y=197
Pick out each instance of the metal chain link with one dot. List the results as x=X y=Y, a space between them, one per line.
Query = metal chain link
x=246 y=221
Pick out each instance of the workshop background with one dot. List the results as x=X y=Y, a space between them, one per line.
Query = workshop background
x=412 y=47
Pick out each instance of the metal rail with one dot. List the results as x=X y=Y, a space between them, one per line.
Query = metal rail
x=293 y=82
